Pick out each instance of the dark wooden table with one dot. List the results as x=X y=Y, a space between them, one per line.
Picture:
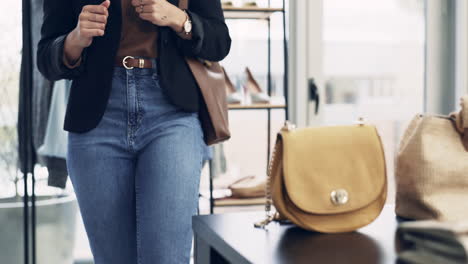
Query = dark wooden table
x=232 y=238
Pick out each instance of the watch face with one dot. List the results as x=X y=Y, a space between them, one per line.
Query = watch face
x=187 y=26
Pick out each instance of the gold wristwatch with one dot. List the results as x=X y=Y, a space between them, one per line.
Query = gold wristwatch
x=187 y=27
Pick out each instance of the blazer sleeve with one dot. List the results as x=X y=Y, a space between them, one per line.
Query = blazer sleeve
x=58 y=22
x=210 y=34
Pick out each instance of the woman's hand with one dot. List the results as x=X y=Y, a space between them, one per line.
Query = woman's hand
x=91 y=23
x=161 y=13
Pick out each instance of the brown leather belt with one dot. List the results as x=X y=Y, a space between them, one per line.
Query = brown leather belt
x=130 y=62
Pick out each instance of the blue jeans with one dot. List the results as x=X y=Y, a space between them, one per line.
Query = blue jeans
x=136 y=175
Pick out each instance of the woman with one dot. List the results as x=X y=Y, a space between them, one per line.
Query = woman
x=135 y=146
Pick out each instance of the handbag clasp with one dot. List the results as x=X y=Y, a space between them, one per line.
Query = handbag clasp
x=339 y=197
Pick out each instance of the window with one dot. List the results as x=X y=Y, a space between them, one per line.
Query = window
x=374 y=65
x=10 y=61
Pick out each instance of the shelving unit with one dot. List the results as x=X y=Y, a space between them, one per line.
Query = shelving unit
x=256 y=106
x=249 y=12
x=259 y=13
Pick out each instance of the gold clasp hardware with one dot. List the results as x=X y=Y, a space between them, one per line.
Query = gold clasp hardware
x=268 y=219
x=264 y=223
x=124 y=62
x=207 y=64
x=339 y=197
x=288 y=126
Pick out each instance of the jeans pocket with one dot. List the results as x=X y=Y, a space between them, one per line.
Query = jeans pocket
x=164 y=95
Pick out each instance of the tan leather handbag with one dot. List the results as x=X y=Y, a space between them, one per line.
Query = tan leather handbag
x=327 y=179
x=432 y=168
x=213 y=112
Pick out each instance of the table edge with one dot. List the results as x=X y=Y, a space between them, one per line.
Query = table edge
x=202 y=231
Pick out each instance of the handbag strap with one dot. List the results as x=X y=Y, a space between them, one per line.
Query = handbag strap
x=274 y=166
x=183 y=4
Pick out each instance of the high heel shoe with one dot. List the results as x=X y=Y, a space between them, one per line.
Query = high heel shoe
x=256 y=94
x=227 y=3
x=232 y=96
x=250 y=4
x=248 y=187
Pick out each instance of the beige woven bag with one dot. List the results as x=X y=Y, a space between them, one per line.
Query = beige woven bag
x=432 y=168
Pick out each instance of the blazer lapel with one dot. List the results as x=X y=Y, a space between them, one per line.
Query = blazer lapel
x=115 y=8
x=110 y=41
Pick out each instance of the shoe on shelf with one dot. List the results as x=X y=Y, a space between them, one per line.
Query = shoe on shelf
x=250 y=3
x=248 y=187
x=227 y=179
x=253 y=88
x=232 y=96
x=227 y=3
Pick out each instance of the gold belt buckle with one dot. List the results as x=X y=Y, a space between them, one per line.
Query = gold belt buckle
x=124 y=61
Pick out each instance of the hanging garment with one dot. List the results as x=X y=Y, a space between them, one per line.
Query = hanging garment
x=54 y=148
x=55 y=139
x=218 y=165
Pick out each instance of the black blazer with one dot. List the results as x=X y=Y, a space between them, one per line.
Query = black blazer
x=93 y=78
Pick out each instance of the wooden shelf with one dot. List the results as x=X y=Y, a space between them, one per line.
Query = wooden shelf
x=233 y=12
x=240 y=202
x=256 y=106
x=254 y=13
x=223 y=199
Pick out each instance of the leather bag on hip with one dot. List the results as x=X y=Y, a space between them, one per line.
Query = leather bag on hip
x=432 y=167
x=213 y=111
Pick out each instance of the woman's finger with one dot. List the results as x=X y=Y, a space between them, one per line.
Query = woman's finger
x=94 y=17
x=143 y=2
x=146 y=16
x=93 y=25
x=105 y=3
x=144 y=9
x=96 y=9
x=89 y=33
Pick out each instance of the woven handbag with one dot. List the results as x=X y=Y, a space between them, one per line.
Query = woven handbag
x=327 y=179
x=432 y=167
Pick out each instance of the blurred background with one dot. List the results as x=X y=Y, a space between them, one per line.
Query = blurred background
x=383 y=60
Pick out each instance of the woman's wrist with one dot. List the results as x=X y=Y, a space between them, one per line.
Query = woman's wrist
x=72 y=51
x=179 y=20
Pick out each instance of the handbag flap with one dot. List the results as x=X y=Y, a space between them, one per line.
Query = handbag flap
x=330 y=170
